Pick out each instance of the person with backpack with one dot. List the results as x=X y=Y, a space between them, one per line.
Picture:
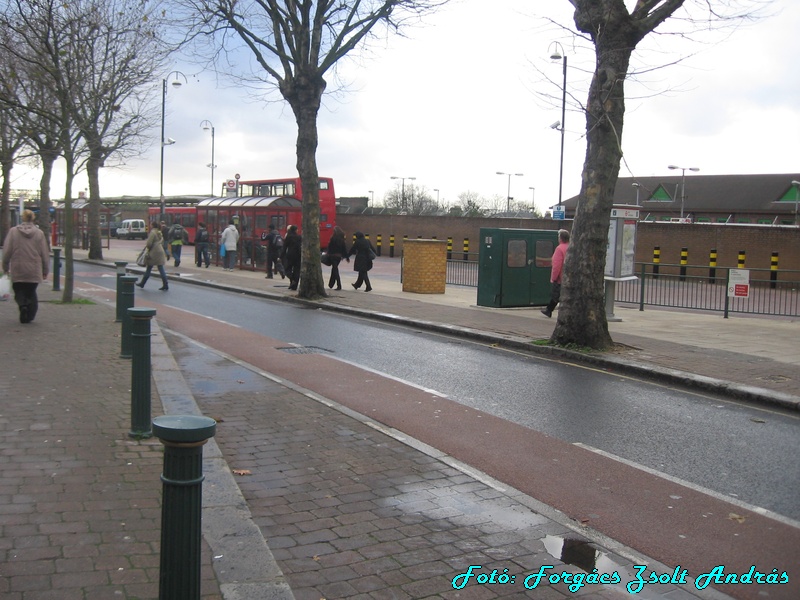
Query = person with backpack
x=178 y=236
x=201 y=246
x=274 y=249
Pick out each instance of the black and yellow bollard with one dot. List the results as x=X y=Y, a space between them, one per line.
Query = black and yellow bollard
x=741 y=261
x=773 y=271
x=121 y=264
x=684 y=262
x=466 y=249
x=126 y=298
x=656 y=261
x=183 y=437
x=449 y=248
x=391 y=246
x=56 y=269
x=712 y=266
x=141 y=372
x=378 y=244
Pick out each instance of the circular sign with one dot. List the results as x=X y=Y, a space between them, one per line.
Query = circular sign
x=231 y=183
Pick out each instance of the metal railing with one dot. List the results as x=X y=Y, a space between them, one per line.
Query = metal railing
x=771 y=291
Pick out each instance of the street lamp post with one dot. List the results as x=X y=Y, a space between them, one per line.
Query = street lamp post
x=166 y=142
x=683 y=181
x=206 y=126
x=403 y=190
x=508 y=192
x=559 y=54
x=637 y=186
x=533 y=198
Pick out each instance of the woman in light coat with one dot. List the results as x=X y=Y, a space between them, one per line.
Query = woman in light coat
x=155 y=257
x=27 y=258
x=229 y=239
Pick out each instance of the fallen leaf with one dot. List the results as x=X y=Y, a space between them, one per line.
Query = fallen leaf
x=242 y=472
x=737 y=518
x=218 y=419
x=754 y=420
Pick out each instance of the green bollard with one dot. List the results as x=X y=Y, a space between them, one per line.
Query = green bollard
x=183 y=437
x=121 y=264
x=56 y=269
x=126 y=299
x=141 y=372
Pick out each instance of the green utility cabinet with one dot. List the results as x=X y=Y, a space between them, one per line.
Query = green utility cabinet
x=514 y=267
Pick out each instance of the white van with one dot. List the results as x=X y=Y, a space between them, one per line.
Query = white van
x=130 y=229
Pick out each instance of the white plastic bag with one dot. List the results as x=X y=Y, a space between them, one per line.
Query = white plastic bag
x=5 y=287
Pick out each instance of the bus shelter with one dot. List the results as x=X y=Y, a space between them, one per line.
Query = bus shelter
x=80 y=224
x=252 y=216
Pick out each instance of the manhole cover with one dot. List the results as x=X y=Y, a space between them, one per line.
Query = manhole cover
x=304 y=350
x=775 y=378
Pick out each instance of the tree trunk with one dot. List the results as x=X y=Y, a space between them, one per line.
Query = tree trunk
x=5 y=207
x=69 y=232
x=582 y=316
x=304 y=94
x=93 y=173
x=48 y=160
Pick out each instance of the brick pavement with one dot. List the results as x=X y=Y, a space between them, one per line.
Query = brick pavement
x=79 y=499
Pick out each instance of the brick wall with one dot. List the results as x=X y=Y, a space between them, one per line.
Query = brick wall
x=759 y=242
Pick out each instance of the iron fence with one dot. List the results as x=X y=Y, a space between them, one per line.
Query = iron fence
x=771 y=291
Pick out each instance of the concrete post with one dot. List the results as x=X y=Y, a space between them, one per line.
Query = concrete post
x=127 y=300
x=183 y=437
x=141 y=371
x=121 y=264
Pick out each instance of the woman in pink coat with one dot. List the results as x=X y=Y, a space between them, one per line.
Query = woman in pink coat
x=27 y=258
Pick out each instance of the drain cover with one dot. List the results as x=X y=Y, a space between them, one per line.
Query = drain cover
x=303 y=350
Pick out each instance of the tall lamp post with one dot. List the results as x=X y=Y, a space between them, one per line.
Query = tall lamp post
x=209 y=126
x=508 y=192
x=403 y=190
x=683 y=181
x=558 y=53
x=533 y=198
x=166 y=142
x=637 y=186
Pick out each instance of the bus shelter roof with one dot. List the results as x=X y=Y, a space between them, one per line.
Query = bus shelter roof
x=252 y=202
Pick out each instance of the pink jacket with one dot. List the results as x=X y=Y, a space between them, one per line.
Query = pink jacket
x=558 y=262
x=25 y=254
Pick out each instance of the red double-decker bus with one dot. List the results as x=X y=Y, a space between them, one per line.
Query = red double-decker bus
x=293 y=188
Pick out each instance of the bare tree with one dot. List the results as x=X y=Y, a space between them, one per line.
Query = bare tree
x=615 y=32
x=296 y=43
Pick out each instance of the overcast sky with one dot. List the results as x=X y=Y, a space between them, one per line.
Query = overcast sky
x=464 y=96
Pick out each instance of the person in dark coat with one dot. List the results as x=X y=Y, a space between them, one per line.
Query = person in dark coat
x=337 y=250
x=291 y=255
x=274 y=250
x=364 y=253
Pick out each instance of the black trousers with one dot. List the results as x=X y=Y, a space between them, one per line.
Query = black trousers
x=27 y=300
x=363 y=278
x=555 y=296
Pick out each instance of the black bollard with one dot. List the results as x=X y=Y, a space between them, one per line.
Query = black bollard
x=183 y=437
x=121 y=264
x=126 y=299
x=56 y=269
x=141 y=372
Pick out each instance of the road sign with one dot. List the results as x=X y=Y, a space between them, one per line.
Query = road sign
x=739 y=283
x=559 y=213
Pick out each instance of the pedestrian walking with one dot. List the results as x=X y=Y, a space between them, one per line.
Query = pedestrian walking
x=178 y=237
x=337 y=250
x=201 y=239
x=274 y=249
x=26 y=258
x=291 y=255
x=556 y=272
x=165 y=238
x=155 y=257
x=230 y=241
x=365 y=254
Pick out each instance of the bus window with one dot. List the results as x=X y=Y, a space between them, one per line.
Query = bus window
x=323 y=184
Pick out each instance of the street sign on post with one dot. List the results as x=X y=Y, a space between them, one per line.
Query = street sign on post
x=559 y=214
x=739 y=283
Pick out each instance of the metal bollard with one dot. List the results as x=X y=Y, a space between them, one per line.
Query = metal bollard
x=378 y=244
x=466 y=248
x=126 y=299
x=712 y=266
x=656 y=261
x=684 y=262
x=56 y=269
x=741 y=259
x=773 y=271
x=121 y=264
x=141 y=371
x=449 y=248
x=183 y=437
x=391 y=246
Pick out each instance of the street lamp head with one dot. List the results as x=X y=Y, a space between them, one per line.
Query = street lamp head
x=556 y=125
x=694 y=169
x=673 y=167
x=557 y=51
x=207 y=125
x=169 y=142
